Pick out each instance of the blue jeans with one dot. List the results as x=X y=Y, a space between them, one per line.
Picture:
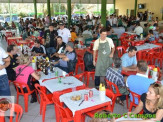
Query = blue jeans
x=50 y=50
x=4 y=86
x=62 y=68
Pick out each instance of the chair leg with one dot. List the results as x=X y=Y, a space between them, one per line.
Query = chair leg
x=43 y=112
x=127 y=101
x=88 y=76
x=130 y=108
x=26 y=102
x=17 y=98
x=40 y=107
x=76 y=70
x=37 y=96
x=83 y=118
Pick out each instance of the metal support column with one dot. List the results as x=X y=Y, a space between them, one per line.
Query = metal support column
x=135 y=10
x=48 y=8
x=69 y=12
x=103 y=12
x=114 y=5
x=35 y=7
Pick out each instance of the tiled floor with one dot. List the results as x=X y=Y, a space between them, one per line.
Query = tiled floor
x=33 y=114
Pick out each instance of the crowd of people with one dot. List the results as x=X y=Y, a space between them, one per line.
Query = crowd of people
x=58 y=44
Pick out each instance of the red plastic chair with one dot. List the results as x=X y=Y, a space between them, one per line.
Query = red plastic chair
x=80 y=64
x=16 y=108
x=109 y=94
x=46 y=99
x=139 y=43
x=62 y=114
x=110 y=86
x=80 y=76
x=33 y=38
x=19 y=88
x=121 y=50
x=87 y=75
x=132 y=103
x=125 y=44
x=148 y=56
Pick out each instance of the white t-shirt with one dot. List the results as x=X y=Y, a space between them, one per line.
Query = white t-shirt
x=115 y=20
x=65 y=34
x=3 y=55
x=109 y=40
x=138 y=30
x=111 y=21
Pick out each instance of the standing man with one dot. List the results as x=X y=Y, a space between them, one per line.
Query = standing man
x=105 y=47
x=4 y=84
x=50 y=40
x=64 y=33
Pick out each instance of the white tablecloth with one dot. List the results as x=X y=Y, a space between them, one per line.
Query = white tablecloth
x=74 y=105
x=146 y=46
x=119 y=31
x=130 y=33
x=4 y=32
x=53 y=84
x=51 y=75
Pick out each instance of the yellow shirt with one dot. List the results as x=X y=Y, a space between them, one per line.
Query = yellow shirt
x=73 y=36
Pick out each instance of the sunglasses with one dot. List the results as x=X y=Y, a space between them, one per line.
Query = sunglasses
x=156 y=84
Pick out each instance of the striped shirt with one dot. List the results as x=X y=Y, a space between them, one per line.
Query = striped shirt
x=115 y=76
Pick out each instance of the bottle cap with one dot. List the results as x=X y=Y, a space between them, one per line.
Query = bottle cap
x=33 y=61
x=155 y=69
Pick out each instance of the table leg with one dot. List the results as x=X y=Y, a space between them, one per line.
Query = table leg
x=77 y=116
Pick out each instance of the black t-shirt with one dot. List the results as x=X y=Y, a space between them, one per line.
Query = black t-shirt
x=9 y=69
x=62 y=45
x=145 y=111
x=50 y=38
x=39 y=50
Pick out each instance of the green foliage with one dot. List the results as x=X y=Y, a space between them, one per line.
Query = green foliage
x=21 y=14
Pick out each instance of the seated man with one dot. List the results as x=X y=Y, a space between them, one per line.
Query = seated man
x=129 y=59
x=60 y=48
x=68 y=60
x=140 y=82
x=114 y=75
x=38 y=49
x=138 y=29
x=12 y=51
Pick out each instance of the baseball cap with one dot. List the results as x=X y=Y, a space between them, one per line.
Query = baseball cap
x=70 y=44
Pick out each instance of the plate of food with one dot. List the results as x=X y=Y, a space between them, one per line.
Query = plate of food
x=76 y=97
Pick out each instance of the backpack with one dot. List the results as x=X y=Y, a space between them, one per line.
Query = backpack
x=72 y=64
x=88 y=61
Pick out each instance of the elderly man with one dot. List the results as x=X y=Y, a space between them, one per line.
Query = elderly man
x=140 y=82
x=129 y=60
x=68 y=60
x=106 y=48
x=64 y=33
x=114 y=75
